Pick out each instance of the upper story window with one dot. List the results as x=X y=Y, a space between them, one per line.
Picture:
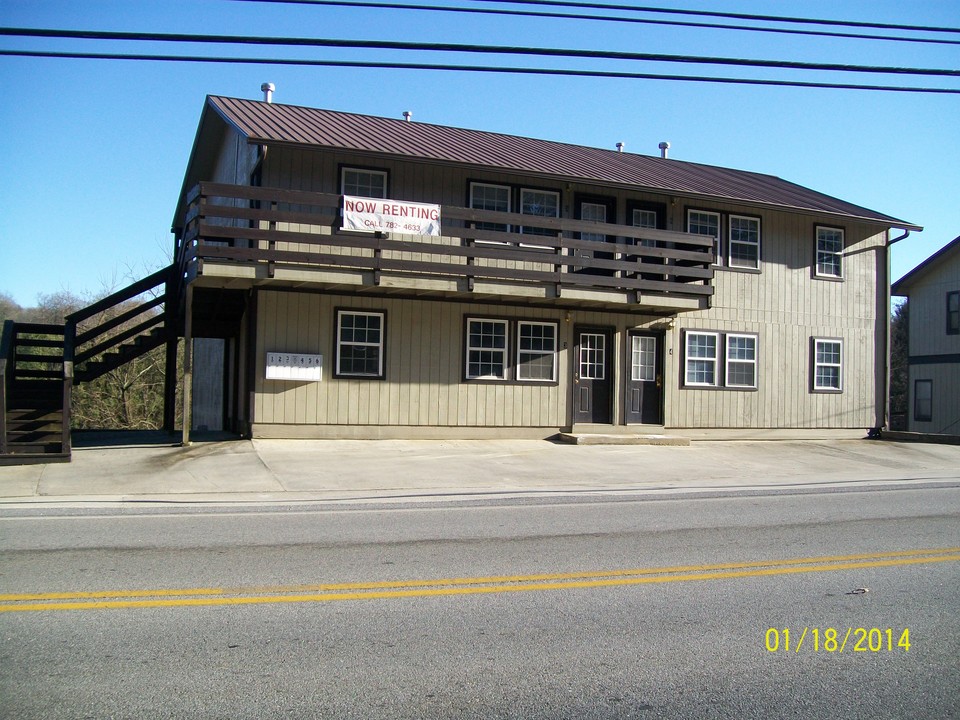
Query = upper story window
x=542 y=203
x=593 y=212
x=485 y=196
x=703 y=222
x=744 y=242
x=829 y=252
x=363 y=183
x=953 y=312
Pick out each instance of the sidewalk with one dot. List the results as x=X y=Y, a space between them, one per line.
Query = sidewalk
x=150 y=467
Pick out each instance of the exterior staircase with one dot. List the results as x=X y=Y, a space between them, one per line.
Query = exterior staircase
x=40 y=363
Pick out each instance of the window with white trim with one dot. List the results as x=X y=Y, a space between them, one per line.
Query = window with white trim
x=829 y=252
x=360 y=344
x=486 y=352
x=536 y=351
x=923 y=400
x=741 y=370
x=646 y=219
x=486 y=196
x=743 y=244
x=827 y=365
x=701 y=358
x=593 y=212
x=703 y=222
x=363 y=183
x=643 y=358
x=542 y=203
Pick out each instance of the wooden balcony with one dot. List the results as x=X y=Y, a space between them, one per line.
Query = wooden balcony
x=239 y=236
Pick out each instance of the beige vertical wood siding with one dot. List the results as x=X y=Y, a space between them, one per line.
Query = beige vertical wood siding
x=784 y=305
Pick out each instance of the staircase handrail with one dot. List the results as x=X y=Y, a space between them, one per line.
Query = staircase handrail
x=120 y=296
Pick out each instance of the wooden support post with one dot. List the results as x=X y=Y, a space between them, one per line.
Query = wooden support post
x=170 y=322
x=69 y=350
x=187 y=365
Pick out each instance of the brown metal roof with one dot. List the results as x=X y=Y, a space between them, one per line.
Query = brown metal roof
x=271 y=123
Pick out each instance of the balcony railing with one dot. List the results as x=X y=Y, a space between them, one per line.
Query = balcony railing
x=274 y=228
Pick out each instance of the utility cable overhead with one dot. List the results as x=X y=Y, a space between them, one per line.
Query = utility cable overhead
x=374 y=4
x=464 y=48
x=474 y=68
x=734 y=16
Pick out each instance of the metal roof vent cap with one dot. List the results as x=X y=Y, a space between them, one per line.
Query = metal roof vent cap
x=664 y=146
x=407 y=115
x=267 y=90
x=621 y=146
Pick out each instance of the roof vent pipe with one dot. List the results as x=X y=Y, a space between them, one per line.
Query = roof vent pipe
x=664 y=146
x=267 y=90
x=620 y=146
x=407 y=115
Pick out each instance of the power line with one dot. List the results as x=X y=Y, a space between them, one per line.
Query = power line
x=460 y=48
x=735 y=16
x=604 y=18
x=474 y=68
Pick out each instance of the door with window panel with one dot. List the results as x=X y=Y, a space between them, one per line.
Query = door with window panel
x=644 y=401
x=592 y=375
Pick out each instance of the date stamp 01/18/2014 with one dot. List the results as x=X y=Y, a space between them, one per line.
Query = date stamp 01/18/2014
x=837 y=640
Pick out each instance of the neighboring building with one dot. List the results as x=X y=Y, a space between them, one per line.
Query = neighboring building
x=933 y=288
x=545 y=286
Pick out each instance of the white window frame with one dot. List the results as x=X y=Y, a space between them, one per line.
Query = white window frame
x=542 y=232
x=471 y=349
x=734 y=239
x=638 y=354
x=363 y=171
x=538 y=353
x=648 y=219
x=592 y=216
x=687 y=358
x=340 y=344
x=837 y=255
x=496 y=227
x=740 y=361
x=717 y=245
x=817 y=364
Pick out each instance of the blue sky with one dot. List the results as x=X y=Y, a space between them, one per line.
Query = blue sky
x=95 y=150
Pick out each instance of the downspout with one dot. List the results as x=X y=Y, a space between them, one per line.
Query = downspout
x=887 y=299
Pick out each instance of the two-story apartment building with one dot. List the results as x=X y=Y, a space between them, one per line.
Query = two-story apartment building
x=933 y=388
x=374 y=277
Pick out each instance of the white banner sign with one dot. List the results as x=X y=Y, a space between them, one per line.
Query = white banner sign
x=294 y=366
x=392 y=216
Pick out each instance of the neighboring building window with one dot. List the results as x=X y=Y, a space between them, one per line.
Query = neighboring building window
x=486 y=349
x=829 y=252
x=360 y=346
x=363 y=183
x=701 y=359
x=542 y=203
x=827 y=365
x=923 y=400
x=741 y=361
x=536 y=351
x=484 y=196
x=743 y=243
x=953 y=313
x=702 y=222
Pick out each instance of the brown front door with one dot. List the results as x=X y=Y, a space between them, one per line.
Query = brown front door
x=592 y=375
x=644 y=401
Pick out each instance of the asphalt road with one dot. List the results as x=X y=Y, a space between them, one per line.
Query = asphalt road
x=574 y=608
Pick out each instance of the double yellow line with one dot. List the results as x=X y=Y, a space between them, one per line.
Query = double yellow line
x=253 y=595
